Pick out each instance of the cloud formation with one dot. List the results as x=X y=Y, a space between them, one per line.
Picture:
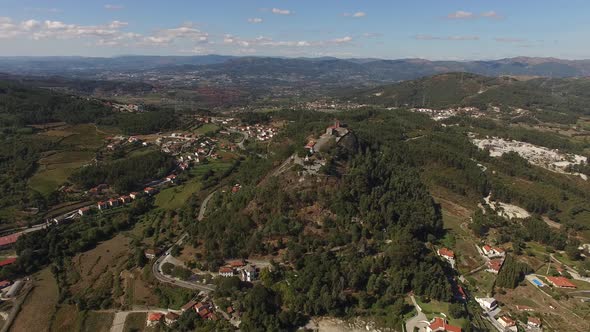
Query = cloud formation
x=255 y=20
x=460 y=15
x=451 y=38
x=279 y=11
x=113 y=7
x=355 y=15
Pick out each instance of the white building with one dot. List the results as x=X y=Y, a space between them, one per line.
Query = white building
x=487 y=303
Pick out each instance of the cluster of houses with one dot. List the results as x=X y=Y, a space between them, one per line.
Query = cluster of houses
x=204 y=309
x=259 y=131
x=130 y=108
x=118 y=141
x=125 y=199
x=438 y=115
x=495 y=257
x=155 y=318
x=507 y=323
x=246 y=272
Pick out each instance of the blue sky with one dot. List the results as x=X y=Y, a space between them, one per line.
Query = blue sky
x=431 y=29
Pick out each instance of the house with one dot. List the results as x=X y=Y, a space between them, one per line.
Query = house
x=236 y=188
x=84 y=211
x=150 y=253
x=494 y=265
x=7 y=261
x=188 y=306
x=226 y=271
x=102 y=205
x=113 y=202
x=440 y=324
x=171 y=318
x=171 y=178
x=154 y=318
x=150 y=191
x=487 y=303
x=492 y=252
x=9 y=240
x=248 y=273
x=447 y=254
x=200 y=307
x=561 y=282
x=524 y=308
x=507 y=323
x=204 y=313
x=533 y=322
x=237 y=263
x=310 y=146
x=134 y=195
x=125 y=199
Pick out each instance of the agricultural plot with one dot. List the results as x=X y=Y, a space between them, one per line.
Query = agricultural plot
x=40 y=303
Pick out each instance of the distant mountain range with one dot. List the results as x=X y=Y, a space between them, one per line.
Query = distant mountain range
x=377 y=70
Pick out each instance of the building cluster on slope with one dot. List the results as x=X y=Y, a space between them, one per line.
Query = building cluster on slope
x=128 y=108
x=246 y=272
x=258 y=131
x=442 y=114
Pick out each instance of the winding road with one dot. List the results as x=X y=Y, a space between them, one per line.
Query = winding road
x=157 y=267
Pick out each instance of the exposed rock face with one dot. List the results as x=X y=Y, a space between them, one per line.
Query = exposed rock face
x=349 y=142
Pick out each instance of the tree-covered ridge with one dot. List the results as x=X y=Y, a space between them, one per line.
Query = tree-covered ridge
x=20 y=105
x=125 y=174
x=551 y=100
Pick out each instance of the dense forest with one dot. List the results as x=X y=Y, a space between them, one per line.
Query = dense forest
x=125 y=174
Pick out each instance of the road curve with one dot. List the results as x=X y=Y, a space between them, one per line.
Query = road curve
x=157 y=266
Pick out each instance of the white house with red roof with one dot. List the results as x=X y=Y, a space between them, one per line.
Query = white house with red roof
x=507 y=323
x=448 y=255
x=493 y=252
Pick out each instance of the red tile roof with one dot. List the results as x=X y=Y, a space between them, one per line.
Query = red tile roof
x=172 y=316
x=188 y=305
x=225 y=269
x=508 y=321
x=5 y=283
x=155 y=316
x=9 y=239
x=7 y=261
x=495 y=264
x=560 y=282
x=439 y=324
x=238 y=263
x=446 y=252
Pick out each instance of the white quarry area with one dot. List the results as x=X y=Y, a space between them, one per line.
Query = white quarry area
x=550 y=159
x=506 y=210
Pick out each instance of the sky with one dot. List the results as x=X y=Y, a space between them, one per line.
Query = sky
x=390 y=29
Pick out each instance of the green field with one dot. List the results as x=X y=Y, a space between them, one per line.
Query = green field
x=77 y=146
x=175 y=197
x=56 y=168
x=135 y=322
x=206 y=129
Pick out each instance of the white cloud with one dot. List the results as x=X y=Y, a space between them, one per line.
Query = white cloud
x=460 y=15
x=509 y=40
x=168 y=36
x=113 y=7
x=279 y=11
x=342 y=40
x=255 y=20
x=30 y=24
x=452 y=38
x=491 y=14
x=356 y=15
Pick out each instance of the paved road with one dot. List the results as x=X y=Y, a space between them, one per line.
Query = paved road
x=420 y=321
x=245 y=137
x=157 y=267
x=570 y=270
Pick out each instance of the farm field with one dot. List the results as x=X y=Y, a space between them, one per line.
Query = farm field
x=175 y=197
x=40 y=303
x=76 y=147
x=206 y=129
x=97 y=321
x=135 y=322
